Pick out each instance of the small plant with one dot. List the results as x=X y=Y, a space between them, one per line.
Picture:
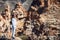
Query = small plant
x=24 y=37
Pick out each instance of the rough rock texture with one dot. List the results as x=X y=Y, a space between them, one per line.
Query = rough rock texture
x=41 y=22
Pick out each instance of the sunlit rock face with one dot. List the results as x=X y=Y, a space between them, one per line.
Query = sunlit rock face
x=48 y=19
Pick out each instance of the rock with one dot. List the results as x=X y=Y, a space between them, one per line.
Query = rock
x=47 y=23
x=17 y=38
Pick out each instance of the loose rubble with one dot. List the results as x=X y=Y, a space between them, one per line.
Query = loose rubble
x=41 y=22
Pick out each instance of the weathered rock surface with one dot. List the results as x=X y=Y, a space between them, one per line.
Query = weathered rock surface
x=33 y=24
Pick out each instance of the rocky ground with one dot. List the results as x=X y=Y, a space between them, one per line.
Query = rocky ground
x=39 y=23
